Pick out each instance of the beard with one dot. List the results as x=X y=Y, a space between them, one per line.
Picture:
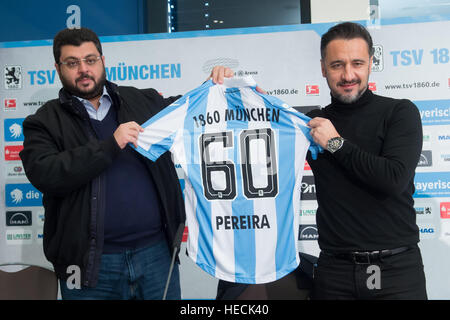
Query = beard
x=348 y=98
x=96 y=91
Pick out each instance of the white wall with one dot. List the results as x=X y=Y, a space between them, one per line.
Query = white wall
x=334 y=10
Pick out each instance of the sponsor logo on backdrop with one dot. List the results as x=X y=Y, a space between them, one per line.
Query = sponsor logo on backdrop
x=34 y=103
x=308 y=188
x=308 y=212
x=10 y=104
x=427 y=231
x=22 y=195
x=243 y=73
x=121 y=72
x=306 y=167
x=12 y=152
x=373 y=86
x=445 y=210
x=40 y=217
x=143 y=72
x=433 y=184
x=378 y=61
x=42 y=77
x=185 y=234
x=434 y=112
x=308 y=232
x=423 y=211
x=40 y=236
x=15 y=170
x=312 y=90
x=445 y=157
x=19 y=236
x=426 y=159
x=13 y=129
x=13 y=77
x=18 y=218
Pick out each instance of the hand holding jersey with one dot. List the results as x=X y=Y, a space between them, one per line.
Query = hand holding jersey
x=322 y=131
x=127 y=133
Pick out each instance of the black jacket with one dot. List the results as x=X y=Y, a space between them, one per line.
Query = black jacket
x=65 y=161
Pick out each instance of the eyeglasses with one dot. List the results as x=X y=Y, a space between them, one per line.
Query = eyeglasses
x=75 y=63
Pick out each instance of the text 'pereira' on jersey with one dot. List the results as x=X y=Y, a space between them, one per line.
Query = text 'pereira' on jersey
x=243 y=156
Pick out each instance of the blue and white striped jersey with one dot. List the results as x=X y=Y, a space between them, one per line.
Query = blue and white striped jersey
x=243 y=156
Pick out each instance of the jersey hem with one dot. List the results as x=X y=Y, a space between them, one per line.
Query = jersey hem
x=250 y=280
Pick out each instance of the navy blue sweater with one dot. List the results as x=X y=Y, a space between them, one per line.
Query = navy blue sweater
x=132 y=217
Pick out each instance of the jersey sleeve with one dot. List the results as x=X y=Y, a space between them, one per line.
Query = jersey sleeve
x=160 y=131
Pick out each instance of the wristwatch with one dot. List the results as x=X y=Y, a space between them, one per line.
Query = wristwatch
x=334 y=144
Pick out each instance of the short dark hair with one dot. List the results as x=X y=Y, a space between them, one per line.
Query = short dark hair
x=74 y=37
x=347 y=31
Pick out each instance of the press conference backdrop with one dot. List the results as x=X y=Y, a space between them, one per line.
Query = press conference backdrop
x=411 y=61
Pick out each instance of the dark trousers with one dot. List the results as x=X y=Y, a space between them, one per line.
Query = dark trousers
x=399 y=276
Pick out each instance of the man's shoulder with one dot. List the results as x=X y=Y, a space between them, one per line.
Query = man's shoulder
x=397 y=108
x=50 y=107
x=133 y=91
x=136 y=95
x=391 y=102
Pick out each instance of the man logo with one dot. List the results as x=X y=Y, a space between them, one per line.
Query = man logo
x=18 y=218
x=15 y=130
x=308 y=232
x=16 y=195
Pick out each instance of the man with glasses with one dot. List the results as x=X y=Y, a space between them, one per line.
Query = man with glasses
x=111 y=216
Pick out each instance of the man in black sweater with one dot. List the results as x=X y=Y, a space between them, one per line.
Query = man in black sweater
x=366 y=220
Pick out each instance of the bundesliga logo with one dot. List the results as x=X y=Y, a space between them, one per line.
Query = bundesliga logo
x=10 y=104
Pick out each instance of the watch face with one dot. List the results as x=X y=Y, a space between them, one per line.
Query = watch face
x=334 y=144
